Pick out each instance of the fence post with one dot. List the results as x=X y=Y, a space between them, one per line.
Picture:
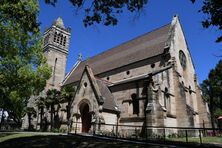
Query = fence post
x=186 y=136
x=94 y=128
x=117 y=131
x=200 y=136
x=113 y=130
x=204 y=132
x=146 y=132
x=164 y=134
x=135 y=133
x=76 y=127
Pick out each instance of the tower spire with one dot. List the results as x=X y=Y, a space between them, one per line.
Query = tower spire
x=59 y=23
x=56 y=40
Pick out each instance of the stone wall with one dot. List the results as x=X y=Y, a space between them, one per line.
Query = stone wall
x=57 y=61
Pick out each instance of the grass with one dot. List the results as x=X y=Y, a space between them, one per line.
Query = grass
x=34 y=140
x=4 y=134
x=212 y=140
x=61 y=141
x=217 y=140
x=8 y=136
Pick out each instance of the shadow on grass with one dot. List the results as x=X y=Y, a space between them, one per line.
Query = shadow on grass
x=61 y=141
x=5 y=134
x=77 y=141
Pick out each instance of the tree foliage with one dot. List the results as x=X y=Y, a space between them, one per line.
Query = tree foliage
x=40 y=103
x=52 y=99
x=212 y=90
x=67 y=94
x=213 y=11
x=31 y=112
x=23 y=68
x=52 y=103
x=104 y=11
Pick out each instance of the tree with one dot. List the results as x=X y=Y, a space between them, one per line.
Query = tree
x=23 y=68
x=106 y=11
x=52 y=98
x=212 y=91
x=52 y=103
x=67 y=94
x=2 y=113
x=41 y=105
x=30 y=111
x=213 y=11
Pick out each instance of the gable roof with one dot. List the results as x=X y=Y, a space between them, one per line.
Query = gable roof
x=94 y=85
x=110 y=104
x=103 y=95
x=145 y=46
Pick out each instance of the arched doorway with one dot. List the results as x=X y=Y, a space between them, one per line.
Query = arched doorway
x=86 y=117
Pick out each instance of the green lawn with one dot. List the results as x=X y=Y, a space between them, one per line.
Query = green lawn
x=40 y=140
x=8 y=136
x=61 y=141
x=212 y=140
x=4 y=134
x=217 y=140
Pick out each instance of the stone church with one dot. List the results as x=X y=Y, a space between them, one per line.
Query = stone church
x=147 y=81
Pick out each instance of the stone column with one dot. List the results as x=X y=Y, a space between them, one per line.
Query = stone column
x=154 y=112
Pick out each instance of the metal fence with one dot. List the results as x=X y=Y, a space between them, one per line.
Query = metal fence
x=146 y=133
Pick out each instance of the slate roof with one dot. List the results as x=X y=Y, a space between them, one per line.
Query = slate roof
x=109 y=101
x=143 y=47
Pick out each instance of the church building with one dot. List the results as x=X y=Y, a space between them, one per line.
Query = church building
x=147 y=81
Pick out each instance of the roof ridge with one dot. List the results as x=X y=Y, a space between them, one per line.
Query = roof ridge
x=144 y=46
x=72 y=69
x=125 y=42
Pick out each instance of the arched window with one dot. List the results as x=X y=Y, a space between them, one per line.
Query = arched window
x=61 y=39
x=135 y=104
x=54 y=71
x=64 y=41
x=167 y=102
x=58 y=38
x=55 y=37
x=182 y=58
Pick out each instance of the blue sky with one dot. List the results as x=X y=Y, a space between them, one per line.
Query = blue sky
x=98 y=38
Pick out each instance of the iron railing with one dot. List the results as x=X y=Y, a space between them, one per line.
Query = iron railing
x=146 y=133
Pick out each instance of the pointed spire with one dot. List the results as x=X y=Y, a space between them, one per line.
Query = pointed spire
x=59 y=23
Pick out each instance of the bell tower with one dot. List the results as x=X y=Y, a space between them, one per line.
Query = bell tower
x=55 y=48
